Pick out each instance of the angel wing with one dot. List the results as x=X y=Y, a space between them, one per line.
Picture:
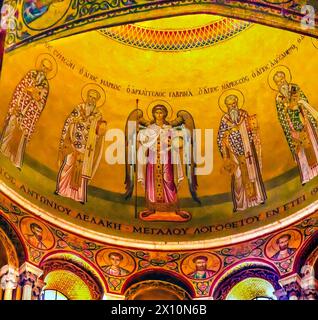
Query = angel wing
x=134 y=123
x=185 y=121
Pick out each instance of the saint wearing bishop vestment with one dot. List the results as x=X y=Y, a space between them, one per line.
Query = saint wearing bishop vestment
x=27 y=104
x=299 y=121
x=81 y=146
x=239 y=145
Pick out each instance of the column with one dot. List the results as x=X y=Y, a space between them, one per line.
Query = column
x=29 y=281
x=9 y=281
x=292 y=286
x=37 y=289
x=281 y=294
x=110 y=296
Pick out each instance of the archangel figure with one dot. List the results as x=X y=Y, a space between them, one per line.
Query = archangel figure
x=159 y=169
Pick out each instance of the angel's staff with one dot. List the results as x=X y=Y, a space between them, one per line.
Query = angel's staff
x=136 y=168
x=131 y=155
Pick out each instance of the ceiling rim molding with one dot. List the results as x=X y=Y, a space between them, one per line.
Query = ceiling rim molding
x=262 y=12
x=162 y=245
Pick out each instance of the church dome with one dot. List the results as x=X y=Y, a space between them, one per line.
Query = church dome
x=152 y=147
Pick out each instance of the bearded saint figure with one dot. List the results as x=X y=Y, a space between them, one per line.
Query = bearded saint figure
x=81 y=146
x=27 y=104
x=299 y=123
x=239 y=145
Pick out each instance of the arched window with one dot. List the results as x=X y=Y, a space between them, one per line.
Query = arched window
x=53 y=295
x=67 y=284
x=262 y=298
x=252 y=289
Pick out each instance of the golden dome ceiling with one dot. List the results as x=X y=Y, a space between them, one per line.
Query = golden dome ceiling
x=240 y=58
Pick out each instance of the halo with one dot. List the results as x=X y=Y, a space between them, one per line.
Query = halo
x=227 y=93
x=40 y=58
x=99 y=89
x=315 y=42
x=162 y=102
x=270 y=79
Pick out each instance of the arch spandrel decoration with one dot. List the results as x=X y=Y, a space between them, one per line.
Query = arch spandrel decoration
x=221 y=260
x=61 y=18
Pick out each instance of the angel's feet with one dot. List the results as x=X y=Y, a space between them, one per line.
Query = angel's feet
x=183 y=214
x=146 y=213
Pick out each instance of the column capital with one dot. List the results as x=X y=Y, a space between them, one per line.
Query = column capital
x=292 y=286
x=9 y=277
x=110 y=296
x=29 y=274
x=309 y=283
x=203 y=298
x=28 y=267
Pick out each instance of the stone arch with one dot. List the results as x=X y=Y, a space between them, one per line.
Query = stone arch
x=308 y=255
x=13 y=245
x=165 y=277
x=241 y=271
x=71 y=263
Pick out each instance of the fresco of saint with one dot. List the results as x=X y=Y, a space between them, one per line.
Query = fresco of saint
x=239 y=145
x=81 y=145
x=299 y=122
x=284 y=250
x=35 y=238
x=36 y=234
x=26 y=106
x=156 y=171
x=115 y=269
x=201 y=269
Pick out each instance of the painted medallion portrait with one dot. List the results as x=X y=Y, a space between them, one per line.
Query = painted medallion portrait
x=283 y=245
x=200 y=266
x=36 y=234
x=115 y=262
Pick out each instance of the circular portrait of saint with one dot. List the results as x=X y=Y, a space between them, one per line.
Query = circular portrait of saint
x=115 y=262
x=44 y=14
x=283 y=245
x=36 y=234
x=200 y=266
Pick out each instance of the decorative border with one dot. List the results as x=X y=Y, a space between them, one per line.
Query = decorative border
x=232 y=255
x=94 y=14
x=133 y=243
x=176 y=40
